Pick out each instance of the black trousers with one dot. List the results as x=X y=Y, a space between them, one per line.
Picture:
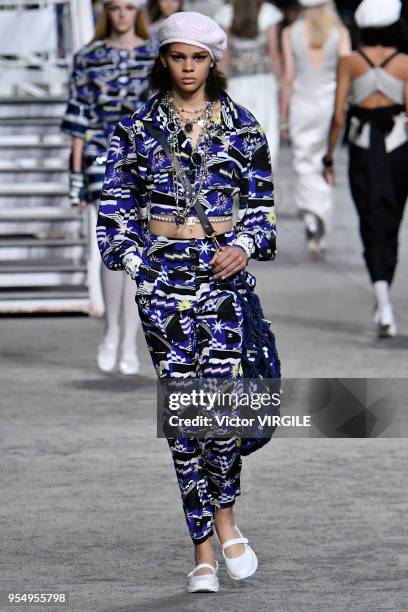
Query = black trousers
x=379 y=186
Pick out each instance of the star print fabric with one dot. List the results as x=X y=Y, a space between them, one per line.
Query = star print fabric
x=138 y=180
x=208 y=474
x=192 y=319
x=106 y=85
x=192 y=322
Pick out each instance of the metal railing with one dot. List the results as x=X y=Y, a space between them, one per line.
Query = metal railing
x=37 y=40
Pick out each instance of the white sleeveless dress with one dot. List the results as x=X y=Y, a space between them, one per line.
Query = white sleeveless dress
x=310 y=112
x=251 y=82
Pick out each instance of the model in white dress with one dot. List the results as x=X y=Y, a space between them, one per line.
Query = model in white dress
x=249 y=65
x=310 y=84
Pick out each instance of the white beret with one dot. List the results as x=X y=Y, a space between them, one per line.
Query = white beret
x=377 y=13
x=310 y=3
x=194 y=29
x=136 y=3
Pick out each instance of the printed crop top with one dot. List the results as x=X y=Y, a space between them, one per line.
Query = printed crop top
x=138 y=181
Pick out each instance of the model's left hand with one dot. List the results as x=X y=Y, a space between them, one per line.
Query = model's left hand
x=232 y=259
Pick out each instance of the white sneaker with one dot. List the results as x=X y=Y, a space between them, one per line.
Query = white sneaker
x=107 y=355
x=129 y=364
x=204 y=583
x=243 y=566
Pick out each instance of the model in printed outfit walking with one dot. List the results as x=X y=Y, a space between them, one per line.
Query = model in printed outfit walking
x=186 y=293
x=109 y=81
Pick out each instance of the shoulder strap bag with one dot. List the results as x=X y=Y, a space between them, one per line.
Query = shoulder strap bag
x=259 y=355
x=205 y=222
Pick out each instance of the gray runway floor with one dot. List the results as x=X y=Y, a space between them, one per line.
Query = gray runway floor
x=89 y=499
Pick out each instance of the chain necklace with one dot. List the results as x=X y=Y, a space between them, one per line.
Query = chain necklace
x=190 y=112
x=200 y=161
x=204 y=117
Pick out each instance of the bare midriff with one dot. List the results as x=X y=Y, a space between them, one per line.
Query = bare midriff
x=171 y=230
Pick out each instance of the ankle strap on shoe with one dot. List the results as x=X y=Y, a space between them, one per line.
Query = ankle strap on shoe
x=203 y=565
x=234 y=541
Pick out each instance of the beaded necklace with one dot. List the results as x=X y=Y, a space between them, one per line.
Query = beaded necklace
x=200 y=161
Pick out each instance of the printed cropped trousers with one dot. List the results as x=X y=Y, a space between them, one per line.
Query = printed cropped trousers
x=193 y=327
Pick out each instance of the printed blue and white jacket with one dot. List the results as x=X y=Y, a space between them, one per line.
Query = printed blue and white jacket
x=138 y=181
x=106 y=85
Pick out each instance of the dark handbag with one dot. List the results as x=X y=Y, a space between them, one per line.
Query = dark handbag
x=259 y=354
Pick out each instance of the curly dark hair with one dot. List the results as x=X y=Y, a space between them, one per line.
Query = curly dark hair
x=159 y=79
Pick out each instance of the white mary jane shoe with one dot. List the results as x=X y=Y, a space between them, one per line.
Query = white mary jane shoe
x=204 y=583
x=243 y=566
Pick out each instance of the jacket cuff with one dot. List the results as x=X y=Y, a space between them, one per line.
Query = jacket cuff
x=245 y=242
x=131 y=263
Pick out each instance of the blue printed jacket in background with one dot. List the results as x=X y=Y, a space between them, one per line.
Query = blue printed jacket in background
x=138 y=181
x=106 y=85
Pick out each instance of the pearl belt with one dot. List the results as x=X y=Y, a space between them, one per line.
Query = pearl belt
x=190 y=220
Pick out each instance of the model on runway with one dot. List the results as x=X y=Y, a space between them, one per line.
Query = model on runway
x=375 y=79
x=109 y=81
x=187 y=292
x=252 y=61
x=311 y=50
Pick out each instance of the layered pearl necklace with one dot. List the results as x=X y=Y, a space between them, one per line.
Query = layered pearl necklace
x=204 y=120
